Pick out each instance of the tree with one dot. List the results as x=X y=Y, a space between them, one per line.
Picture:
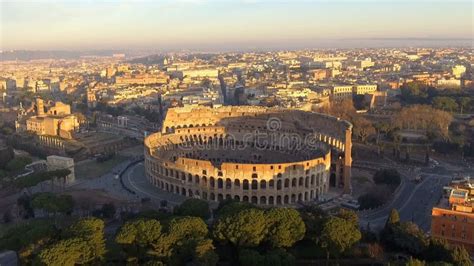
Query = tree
x=193 y=207
x=362 y=128
x=249 y=257
x=66 y=252
x=313 y=218
x=463 y=103
x=445 y=103
x=393 y=218
x=405 y=237
x=460 y=256
x=414 y=92
x=387 y=177
x=21 y=236
x=415 y=262
x=375 y=197
x=18 y=163
x=344 y=110
x=6 y=156
x=185 y=241
x=82 y=243
x=338 y=235
x=139 y=233
x=204 y=253
x=244 y=229
x=375 y=251
x=279 y=257
x=90 y=230
x=52 y=203
x=349 y=216
x=230 y=206
x=285 y=227
x=379 y=128
x=188 y=228
x=437 y=250
x=36 y=178
x=424 y=117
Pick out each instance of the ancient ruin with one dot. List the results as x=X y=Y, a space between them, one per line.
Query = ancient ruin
x=267 y=156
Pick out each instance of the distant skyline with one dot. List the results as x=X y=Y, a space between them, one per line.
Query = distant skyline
x=233 y=25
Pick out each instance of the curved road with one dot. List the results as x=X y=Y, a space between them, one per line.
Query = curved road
x=135 y=179
x=413 y=201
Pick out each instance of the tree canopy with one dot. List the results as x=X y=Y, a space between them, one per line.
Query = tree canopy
x=387 y=177
x=426 y=118
x=140 y=232
x=52 y=203
x=193 y=207
x=246 y=228
x=285 y=227
x=338 y=235
x=82 y=243
x=36 y=178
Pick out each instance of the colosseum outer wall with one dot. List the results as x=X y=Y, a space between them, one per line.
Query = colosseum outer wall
x=274 y=183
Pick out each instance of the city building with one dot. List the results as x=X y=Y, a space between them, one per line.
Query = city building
x=141 y=79
x=458 y=71
x=55 y=162
x=341 y=92
x=448 y=83
x=364 y=89
x=58 y=121
x=453 y=218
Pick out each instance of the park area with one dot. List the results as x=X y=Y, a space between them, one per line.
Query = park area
x=90 y=169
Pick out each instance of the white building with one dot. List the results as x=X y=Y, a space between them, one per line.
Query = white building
x=458 y=71
x=56 y=162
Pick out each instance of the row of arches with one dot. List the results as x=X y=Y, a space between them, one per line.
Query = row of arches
x=290 y=198
x=246 y=184
x=333 y=141
x=157 y=168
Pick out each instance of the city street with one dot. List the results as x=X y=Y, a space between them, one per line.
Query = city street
x=414 y=203
x=134 y=179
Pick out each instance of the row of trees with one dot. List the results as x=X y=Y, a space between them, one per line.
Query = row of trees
x=362 y=127
x=408 y=238
x=419 y=93
x=416 y=117
x=425 y=118
x=241 y=233
x=34 y=179
x=40 y=242
x=10 y=166
x=431 y=117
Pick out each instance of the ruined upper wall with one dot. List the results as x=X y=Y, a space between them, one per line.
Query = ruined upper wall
x=248 y=116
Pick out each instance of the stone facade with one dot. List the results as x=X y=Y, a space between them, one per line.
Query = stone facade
x=266 y=156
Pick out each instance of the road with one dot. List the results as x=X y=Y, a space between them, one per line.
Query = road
x=414 y=201
x=134 y=178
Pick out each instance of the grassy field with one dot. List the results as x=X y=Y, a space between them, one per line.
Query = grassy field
x=92 y=169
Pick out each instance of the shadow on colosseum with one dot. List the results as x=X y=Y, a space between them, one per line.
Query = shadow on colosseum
x=268 y=136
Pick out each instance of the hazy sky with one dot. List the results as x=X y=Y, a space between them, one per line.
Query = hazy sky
x=177 y=24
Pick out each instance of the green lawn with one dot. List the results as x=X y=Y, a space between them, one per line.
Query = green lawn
x=93 y=169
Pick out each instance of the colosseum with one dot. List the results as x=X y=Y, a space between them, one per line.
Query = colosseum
x=267 y=156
